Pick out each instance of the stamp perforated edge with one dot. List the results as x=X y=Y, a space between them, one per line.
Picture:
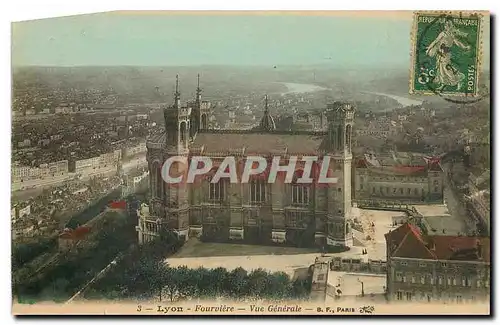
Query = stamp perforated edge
x=479 y=50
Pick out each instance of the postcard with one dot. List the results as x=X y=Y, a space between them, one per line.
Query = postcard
x=176 y=163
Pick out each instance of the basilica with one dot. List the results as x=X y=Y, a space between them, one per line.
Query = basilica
x=303 y=215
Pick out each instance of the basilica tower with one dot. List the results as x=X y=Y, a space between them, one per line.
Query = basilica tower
x=339 y=147
x=200 y=113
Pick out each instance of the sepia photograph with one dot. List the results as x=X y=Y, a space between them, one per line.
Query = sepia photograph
x=180 y=163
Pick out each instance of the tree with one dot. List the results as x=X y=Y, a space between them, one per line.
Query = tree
x=257 y=282
x=188 y=282
x=153 y=272
x=173 y=282
x=278 y=286
x=236 y=283
x=218 y=277
x=301 y=288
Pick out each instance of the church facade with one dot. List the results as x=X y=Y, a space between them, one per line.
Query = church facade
x=297 y=214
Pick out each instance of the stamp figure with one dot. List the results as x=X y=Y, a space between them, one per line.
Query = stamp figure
x=446 y=53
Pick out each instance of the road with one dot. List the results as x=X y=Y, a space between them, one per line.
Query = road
x=455 y=206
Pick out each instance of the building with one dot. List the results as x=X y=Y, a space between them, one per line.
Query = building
x=20 y=173
x=261 y=212
x=478 y=202
x=402 y=177
x=319 y=281
x=135 y=150
x=430 y=268
x=135 y=182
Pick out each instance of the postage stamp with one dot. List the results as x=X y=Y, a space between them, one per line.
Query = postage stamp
x=446 y=53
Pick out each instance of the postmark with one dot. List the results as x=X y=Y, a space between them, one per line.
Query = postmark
x=446 y=54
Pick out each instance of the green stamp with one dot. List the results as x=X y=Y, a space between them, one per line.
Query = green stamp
x=446 y=53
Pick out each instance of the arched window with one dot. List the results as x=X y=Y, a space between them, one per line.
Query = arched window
x=348 y=130
x=258 y=191
x=204 y=121
x=155 y=166
x=339 y=138
x=159 y=181
x=194 y=125
x=217 y=191
x=333 y=138
x=300 y=191
x=183 y=132
x=300 y=194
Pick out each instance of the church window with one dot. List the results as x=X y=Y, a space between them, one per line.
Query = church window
x=348 y=137
x=339 y=138
x=217 y=191
x=257 y=191
x=300 y=194
x=159 y=182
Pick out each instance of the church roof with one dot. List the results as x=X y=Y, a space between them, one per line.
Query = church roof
x=259 y=143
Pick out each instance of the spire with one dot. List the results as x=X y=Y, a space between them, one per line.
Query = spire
x=198 y=90
x=267 y=121
x=177 y=94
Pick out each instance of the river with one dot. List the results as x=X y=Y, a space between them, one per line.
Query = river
x=404 y=101
x=295 y=88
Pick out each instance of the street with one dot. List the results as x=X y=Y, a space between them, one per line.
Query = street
x=455 y=206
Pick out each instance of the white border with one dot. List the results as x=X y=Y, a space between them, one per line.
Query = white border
x=20 y=10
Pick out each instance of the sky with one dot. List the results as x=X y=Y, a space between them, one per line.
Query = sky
x=158 y=39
